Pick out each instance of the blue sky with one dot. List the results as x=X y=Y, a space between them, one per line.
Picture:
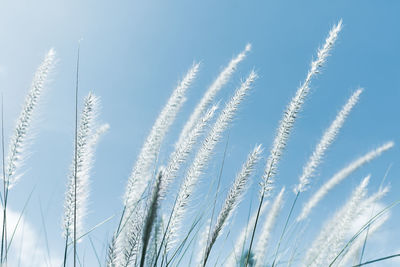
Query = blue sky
x=134 y=52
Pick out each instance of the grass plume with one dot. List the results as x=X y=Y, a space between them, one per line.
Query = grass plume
x=203 y=155
x=141 y=173
x=88 y=134
x=233 y=198
x=266 y=231
x=289 y=118
x=340 y=176
x=328 y=243
x=325 y=142
x=211 y=92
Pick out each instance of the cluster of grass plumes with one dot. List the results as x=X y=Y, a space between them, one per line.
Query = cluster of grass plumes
x=152 y=228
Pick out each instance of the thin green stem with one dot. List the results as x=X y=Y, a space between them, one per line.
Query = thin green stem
x=66 y=249
x=284 y=228
x=5 y=192
x=76 y=151
x=254 y=230
x=376 y=260
x=215 y=200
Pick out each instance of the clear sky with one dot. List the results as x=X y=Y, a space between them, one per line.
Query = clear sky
x=133 y=53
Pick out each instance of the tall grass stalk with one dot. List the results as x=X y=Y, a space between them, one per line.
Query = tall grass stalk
x=20 y=139
x=233 y=198
x=4 y=231
x=180 y=154
x=351 y=257
x=340 y=176
x=288 y=120
x=141 y=172
x=328 y=243
x=239 y=245
x=74 y=179
x=178 y=157
x=316 y=157
x=88 y=134
x=211 y=92
x=150 y=217
x=202 y=157
x=326 y=140
x=266 y=231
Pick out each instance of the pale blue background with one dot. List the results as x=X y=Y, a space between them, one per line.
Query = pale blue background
x=132 y=55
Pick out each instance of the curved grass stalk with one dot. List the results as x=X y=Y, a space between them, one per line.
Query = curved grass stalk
x=326 y=140
x=328 y=243
x=141 y=172
x=209 y=96
x=202 y=157
x=287 y=122
x=340 y=176
x=266 y=231
x=233 y=198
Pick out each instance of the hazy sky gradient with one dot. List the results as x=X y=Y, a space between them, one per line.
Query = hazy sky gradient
x=134 y=52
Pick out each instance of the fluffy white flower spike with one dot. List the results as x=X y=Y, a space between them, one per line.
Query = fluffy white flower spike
x=326 y=140
x=19 y=141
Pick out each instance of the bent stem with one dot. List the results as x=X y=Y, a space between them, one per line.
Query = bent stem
x=5 y=193
x=76 y=152
x=254 y=230
x=284 y=228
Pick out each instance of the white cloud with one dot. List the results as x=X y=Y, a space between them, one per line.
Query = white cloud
x=26 y=248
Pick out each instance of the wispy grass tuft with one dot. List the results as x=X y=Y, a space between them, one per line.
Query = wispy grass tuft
x=202 y=157
x=141 y=172
x=289 y=117
x=88 y=134
x=331 y=238
x=340 y=176
x=266 y=231
x=181 y=153
x=151 y=216
x=233 y=198
x=20 y=137
x=326 y=140
x=209 y=96
x=20 y=140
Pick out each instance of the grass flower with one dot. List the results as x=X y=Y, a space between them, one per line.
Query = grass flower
x=340 y=176
x=203 y=156
x=210 y=94
x=141 y=172
x=326 y=141
x=266 y=231
x=88 y=136
x=19 y=140
x=233 y=198
x=328 y=243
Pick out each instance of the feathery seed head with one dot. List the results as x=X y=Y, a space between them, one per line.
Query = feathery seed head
x=248 y=47
x=203 y=155
x=330 y=240
x=210 y=94
x=19 y=141
x=234 y=196
x=87 y=138
x=291 y=112
x=340 y=176
x=326 y=140
x=141 y=171
x=183 y=150
x=266 y=231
